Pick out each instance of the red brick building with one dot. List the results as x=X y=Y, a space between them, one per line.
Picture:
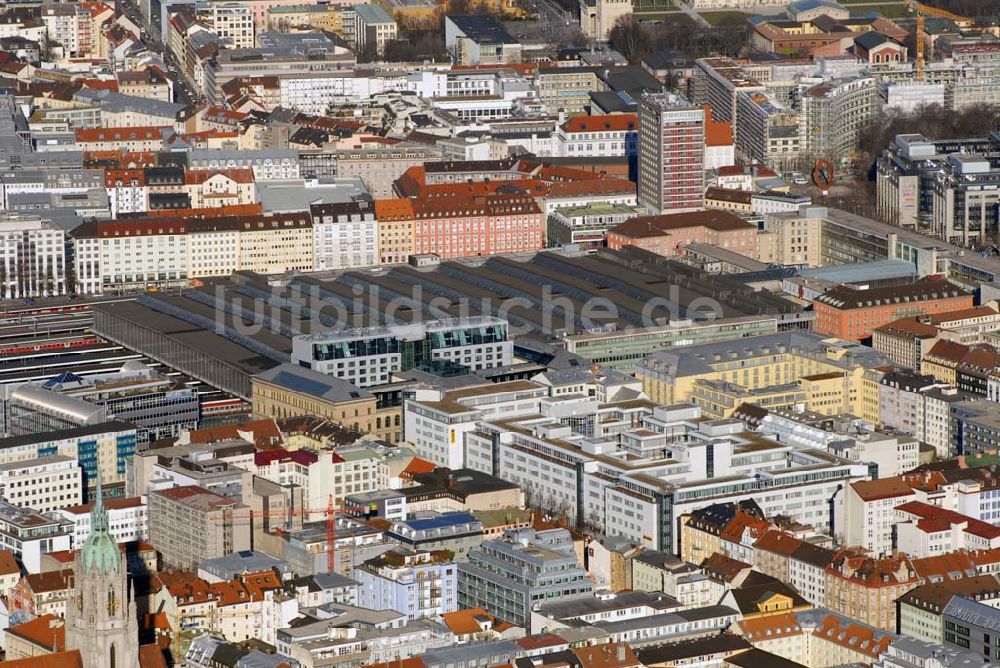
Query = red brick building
x=667 y=234
x=852 y=313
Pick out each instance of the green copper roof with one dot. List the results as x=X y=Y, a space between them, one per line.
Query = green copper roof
x=100 y=551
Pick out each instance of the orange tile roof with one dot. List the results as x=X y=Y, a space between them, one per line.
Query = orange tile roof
x=522 y=68
x=464 y=622
x=536 y=642
x=610 y=655
x=418 y=465
x=741 y=522
x=770 y=627
x=70 y=659
x=602 y=123
x=412 y=662
x=854 y=636
x=778 y=542
x=393 y=209
x=949 y=566
x=151 y=656
x=717 y=133
x=145 y=133
x=660 y=225
x=265 y=433
x=254 y=209
x=910 y=328
x=258 y=583
x=48 y=631
x=120 y=503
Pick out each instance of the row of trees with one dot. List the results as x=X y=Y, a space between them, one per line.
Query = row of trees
x=636 y=39
x=933 y=121
x=970 y=8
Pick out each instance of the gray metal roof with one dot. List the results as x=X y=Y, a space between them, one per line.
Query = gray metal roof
x=314 y=383
x=63 y=405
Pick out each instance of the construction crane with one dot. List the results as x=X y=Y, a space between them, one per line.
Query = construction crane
x=285 y=518
x=923 y=11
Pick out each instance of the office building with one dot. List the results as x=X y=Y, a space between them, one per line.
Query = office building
x=106 y=446
x=511 y=575
x=671 y=154
x=32 y=257
x=370 y=356
x=851 y=313
x=190 y=524
x=479 y=40
x=44 y=484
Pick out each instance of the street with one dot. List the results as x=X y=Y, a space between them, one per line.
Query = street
x=151 y=38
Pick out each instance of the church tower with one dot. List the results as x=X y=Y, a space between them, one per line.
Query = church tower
x=100 y=616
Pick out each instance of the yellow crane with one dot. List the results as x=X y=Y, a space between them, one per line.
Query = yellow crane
x=923 y=11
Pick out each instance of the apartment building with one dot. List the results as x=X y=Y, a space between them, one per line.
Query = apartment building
x=30 y=535
x=866 y=588
x=417 y=584
x=345 y=235
x=319 y=476
x=233 y=22
x=869 y=513
x=167 y=251
x=671 y=154
x=380 y=166
x=95 y=445
x=395 y=223
x=455 y=227
x=718 y=83
x=189 y=524
x=833 y=114
x=925 y=530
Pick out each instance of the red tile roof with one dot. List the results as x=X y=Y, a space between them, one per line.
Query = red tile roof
x=119 y=503
x=935 y=516
x=70 y=659
x=602 y=123
x=48 y=631
x=146 y=133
